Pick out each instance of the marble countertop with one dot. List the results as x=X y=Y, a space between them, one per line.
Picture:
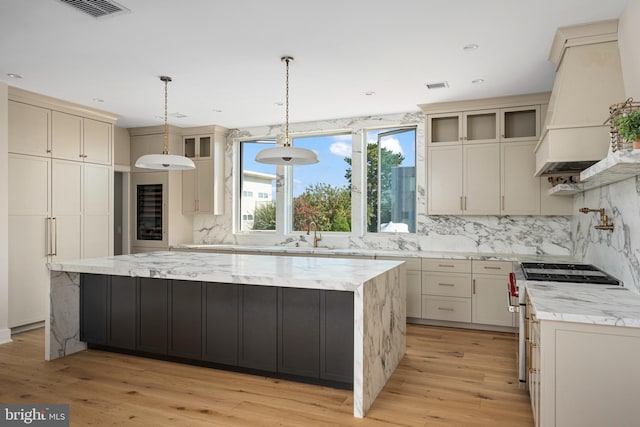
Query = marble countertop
x=585 y=303
x=301 y=272
x=379 y=253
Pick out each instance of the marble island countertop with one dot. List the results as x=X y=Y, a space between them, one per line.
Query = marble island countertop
x=378 y=253
x=301 y=272
x=585 y=303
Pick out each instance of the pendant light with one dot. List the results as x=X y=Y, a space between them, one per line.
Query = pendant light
x=165 y=161
x=287 y=154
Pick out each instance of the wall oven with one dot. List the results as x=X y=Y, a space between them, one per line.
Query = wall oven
x=557 y=273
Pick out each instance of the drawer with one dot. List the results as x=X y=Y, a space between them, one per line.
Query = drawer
x=446 y=265
x=412 y=263
x=491 y=267
x=448 y=285
x=446 y=308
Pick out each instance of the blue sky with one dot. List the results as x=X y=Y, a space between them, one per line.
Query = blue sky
x=331 y=150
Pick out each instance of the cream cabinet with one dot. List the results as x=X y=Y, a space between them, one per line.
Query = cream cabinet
x=464 y=180
x=463 y=127
x=198 y=146
x=446 y=290
x=78 y=138
x=520 y=189
x=583 y=374
x=489 y=287
x=29 y=129
x=520 y=123
x=197 y=188
x=60 y=204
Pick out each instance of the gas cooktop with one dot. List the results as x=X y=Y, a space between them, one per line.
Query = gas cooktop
x=569 y=273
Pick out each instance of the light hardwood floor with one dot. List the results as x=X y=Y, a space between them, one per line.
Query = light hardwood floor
x=448 y=377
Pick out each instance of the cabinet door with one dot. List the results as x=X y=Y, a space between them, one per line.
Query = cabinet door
x=93 y=308
x=336 y=336
x=66 y=197
x=97 y=142
x=488 y=305
x=414 y=292
x=445 y=180
x=258 y=327
x=520 y=123
x=152 y=315
x=29 y=129
x=204 y=186
x=185 y=319
x=189 y=183
x=481 y=179
x=29 y=239
x=97 y=219
x=444 y=128
x=520 y=189
x=222 y=302
x=66 y=136
x=480 y=126
x=122 y=312
x=298 y=331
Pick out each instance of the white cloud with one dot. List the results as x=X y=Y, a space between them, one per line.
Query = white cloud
x=341 y=149
x=392 y=144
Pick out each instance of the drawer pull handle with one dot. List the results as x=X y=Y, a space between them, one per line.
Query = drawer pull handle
x=446 y=265
x=446 y=284
x=486 y=267
x=445 y=309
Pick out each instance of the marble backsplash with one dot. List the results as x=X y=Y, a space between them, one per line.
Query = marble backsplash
x=617 y=252
x=545 y=235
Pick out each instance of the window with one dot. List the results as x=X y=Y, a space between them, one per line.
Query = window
x=322 y=192
x=391 y=180
x=257 y=178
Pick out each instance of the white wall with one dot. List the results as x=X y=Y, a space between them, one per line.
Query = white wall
x=5 y=333
x=616 y=252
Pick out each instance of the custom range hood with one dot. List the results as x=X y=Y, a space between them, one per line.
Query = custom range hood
x=588 y=80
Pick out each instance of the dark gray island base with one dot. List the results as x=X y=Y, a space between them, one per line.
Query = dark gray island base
x=290 y=333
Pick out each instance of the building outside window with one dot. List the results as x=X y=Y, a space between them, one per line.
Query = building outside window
x=257 y=182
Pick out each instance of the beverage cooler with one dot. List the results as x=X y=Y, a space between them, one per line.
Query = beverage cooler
x=149 y=203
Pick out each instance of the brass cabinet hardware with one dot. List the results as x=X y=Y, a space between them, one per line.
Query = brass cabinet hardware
x=473 y=286
x=445 y=309
x=446 y=265
x=502 y=202
x=461 y=208
x=446 y=284
x=488 y=267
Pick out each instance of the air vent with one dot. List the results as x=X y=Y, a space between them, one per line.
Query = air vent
x=437 y=85
x=97 y=8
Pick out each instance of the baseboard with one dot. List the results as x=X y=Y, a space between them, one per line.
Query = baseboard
x=28 y=327
x=5 y=336
x=462 y=325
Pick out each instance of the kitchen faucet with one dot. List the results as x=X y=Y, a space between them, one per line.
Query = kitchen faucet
x=315 y=234
x=604 y=219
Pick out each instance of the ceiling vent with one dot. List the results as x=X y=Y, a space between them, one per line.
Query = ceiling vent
x=437 y=85
x=97 y=8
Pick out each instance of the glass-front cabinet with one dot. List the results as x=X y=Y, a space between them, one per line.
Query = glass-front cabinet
x=197 y=146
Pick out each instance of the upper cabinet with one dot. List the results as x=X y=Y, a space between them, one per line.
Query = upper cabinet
x=39 y=127
x=520 y=123
x=199 y=146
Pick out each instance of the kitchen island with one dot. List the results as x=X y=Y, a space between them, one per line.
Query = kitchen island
x=377 y=289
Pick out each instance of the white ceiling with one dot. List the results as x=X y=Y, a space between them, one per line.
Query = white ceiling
x=225 y=55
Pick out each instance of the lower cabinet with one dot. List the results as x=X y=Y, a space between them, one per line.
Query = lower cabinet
x=221 y=314
x=123 y=300
x=153 y=303
x=258 y=327
x=303 y=333
x=94 y=298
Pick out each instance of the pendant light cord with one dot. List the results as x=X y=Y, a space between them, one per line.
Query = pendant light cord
x=166 y=81
x=286 y=128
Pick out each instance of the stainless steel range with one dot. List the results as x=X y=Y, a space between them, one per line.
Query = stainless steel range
x=586 y=274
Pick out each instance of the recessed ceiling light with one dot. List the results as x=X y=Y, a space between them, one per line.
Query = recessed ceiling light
x=477 y=81
x=279 y=104
x=14 y=75
x=98 y=100
x=471 y=46
x=369 y=93
x=215 y=110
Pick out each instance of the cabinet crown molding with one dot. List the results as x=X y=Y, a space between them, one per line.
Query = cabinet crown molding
x=477 y=104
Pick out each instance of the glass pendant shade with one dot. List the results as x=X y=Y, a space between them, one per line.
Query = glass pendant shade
x=287 y=155
x=165 y=161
